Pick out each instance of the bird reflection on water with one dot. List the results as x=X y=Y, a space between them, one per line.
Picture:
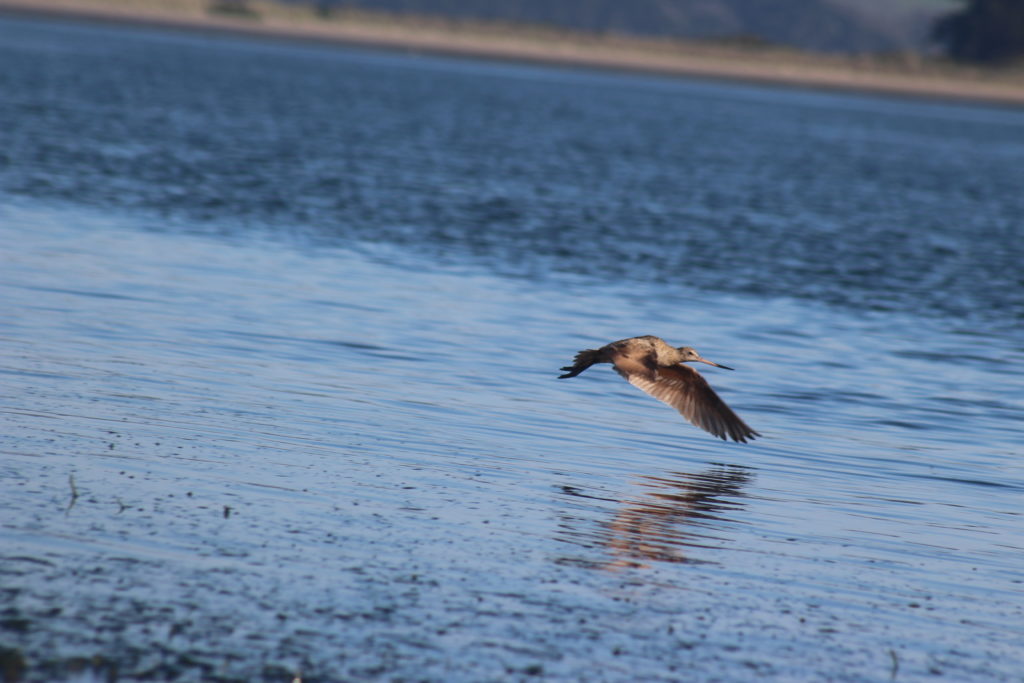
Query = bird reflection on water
x=675 y=512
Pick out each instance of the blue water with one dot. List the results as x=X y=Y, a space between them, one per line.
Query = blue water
x=278 y=354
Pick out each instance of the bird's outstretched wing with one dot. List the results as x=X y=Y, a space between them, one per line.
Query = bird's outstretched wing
x=683 y=388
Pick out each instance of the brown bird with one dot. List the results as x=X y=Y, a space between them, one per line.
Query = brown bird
x=650 y=364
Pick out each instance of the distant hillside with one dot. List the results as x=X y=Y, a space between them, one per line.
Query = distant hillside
x=825 y=25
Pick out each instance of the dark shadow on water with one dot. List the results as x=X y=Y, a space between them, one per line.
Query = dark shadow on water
x=671 y=515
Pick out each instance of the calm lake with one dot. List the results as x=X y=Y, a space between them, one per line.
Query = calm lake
x=280 y=332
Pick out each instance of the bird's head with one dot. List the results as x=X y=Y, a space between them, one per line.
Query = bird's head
x=688 y=354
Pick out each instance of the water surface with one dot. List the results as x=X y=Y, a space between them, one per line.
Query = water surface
x=281 y=332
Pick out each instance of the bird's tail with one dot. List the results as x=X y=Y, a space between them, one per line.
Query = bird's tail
x=584 y=359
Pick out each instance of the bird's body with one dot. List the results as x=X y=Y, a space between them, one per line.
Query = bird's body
x=651 y=364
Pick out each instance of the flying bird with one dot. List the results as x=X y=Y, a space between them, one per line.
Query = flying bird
x=650 y=364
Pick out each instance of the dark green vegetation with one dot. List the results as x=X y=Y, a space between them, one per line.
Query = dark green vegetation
x=826 y=25
x=972 y=30
x=984 y=31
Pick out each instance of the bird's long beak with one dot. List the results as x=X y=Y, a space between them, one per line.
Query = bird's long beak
x=705 y=360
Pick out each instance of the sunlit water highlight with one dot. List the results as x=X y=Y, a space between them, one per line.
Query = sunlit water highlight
x=243 y=448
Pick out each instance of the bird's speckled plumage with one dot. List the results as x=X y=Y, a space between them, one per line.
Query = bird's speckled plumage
x=652 y=365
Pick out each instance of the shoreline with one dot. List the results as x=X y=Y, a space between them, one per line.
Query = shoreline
x=906 y=77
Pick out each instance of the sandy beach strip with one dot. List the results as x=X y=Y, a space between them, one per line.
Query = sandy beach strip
x=906 y=77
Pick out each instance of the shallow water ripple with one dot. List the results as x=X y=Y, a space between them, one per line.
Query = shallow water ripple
x=863 y=202
x=249 y=458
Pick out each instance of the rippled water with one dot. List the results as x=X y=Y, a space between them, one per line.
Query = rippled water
x=280 y=336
